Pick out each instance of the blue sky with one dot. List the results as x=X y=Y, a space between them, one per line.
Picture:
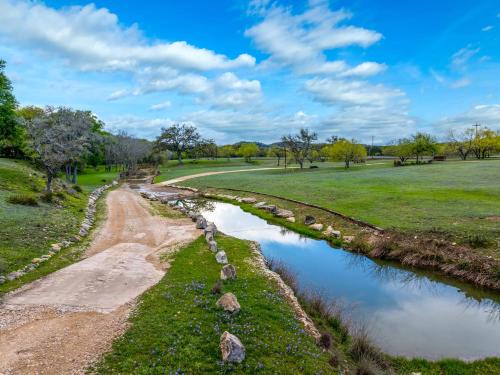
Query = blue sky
x=258 y=69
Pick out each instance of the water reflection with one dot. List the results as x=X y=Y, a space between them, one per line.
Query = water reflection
x=408 y=313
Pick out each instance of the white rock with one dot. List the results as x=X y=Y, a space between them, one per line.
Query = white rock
x=229 y=303
x=221 y=257
x=231 y=347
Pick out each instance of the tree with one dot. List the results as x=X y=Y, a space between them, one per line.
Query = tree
x=461 y=142
x=403 y=149
x=485 y=142
x=300 y=145
x=12 y=134
x=226 y=151
x=178 y=139
x=347 y=151
x=423 y=143
x=248 y=150
x=277 y=152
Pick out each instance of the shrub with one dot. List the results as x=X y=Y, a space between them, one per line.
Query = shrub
x=325 y=340
x=288 y=276
x=217 y=288
x=362 y=350
x=103 y=180
x=78 y=188
x=47 y=197
x=478 y=240
x=23 y=199
x=367 y=366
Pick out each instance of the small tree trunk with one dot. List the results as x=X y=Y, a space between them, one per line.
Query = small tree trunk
x=68 y=172
x=279 y=161
x=49 y=182
x=75 y=174
x=179 y=157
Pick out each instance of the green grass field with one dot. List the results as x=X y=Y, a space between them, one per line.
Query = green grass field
x=26 y=231
x=459 y=199
x=177 y=326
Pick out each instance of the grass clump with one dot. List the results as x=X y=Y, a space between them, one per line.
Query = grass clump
x=177 y=325
x=23 y=199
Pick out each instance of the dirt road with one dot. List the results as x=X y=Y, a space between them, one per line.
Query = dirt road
x=60 y=323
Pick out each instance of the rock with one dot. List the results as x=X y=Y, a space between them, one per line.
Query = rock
x=193 y=215
x=281 y=212
x=229 y=303
x=271 y=208
x=309 y=220
x=248 y=200
x=213 y=246
x=221 y=257
x=231 y=347
x=330 y=232
x=259 y=204
x=291 y=219
x=348 y=239
x=55 y=246
x=317 y=227
x=228 y=272
x=114 y=183
x=211 y=228
x=36 y=260
x=209 y=236
x=2 y=280
x=201 y=222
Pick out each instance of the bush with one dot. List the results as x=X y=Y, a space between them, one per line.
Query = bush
x=60 y=195
x=78 y=188
x=288 y=276
x=23 y=199
x=325 y=340
x=47 y=197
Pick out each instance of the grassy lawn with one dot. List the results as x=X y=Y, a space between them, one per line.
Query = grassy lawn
x=460 y=199
x=177 y=326
x=27 y=231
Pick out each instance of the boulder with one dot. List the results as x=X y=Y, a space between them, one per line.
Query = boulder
x=193 y=215
x=330 y=232
x=271 y=208
x=259 y=204
x=229 y=303
x=228 y=272
x=213 y=246
x=209 y=236
x=211 y=228
x=318 y=227
x=291 y=219
x=248 y=200
x=221 y=257
x=2 y=280
x=309 y=220
x=281 y=212
x=231 y=347
x=55 y=247
x=201 y=222
x=36 y=260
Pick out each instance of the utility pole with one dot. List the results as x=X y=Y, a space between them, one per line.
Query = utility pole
x=476 y=126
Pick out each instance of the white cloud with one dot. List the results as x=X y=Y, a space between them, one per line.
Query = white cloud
x=341 y=92
x=487 y=28
x=459 y=83
x=300 y=41
x=92 y=38
x=163 y=105
x=365 y=69
x=118 y=94
x=462 y=57
x=484 y=114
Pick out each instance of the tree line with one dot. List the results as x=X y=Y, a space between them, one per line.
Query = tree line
x=63 y=139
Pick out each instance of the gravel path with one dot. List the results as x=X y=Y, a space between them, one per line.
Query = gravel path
x=64 y=321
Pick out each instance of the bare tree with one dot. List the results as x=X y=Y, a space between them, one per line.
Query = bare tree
x=462 y=142
x=300 y=145
x=178 y=139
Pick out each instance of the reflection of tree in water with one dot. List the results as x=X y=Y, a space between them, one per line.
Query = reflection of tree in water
x=197 y=205
x=390 y=274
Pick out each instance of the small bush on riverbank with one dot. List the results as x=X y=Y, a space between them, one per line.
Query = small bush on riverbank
x=23 y=199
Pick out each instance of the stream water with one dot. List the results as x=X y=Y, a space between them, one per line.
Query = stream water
x=406 y=312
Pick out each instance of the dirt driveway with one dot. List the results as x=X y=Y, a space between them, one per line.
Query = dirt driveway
x=60 y=323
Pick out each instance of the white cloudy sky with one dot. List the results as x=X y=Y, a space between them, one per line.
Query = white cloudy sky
x=257 y=70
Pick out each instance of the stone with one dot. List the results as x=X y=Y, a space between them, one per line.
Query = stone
x=330 y=232
x=36 y=260
x=231 y=347
x=211 y=228
x=317 y=227
x=201 y=222
x=248 y=200
x=291 y=219
x=281 y=212
x=213 y=246
x=193 y=215
x=271 y=208
x=259 y=204
x=2 y=280
x=221 y=257
x=55 y=246
x=229 y=303
x=348 y=239
x=209 y=236
x=228 y=272
x=309 y=220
